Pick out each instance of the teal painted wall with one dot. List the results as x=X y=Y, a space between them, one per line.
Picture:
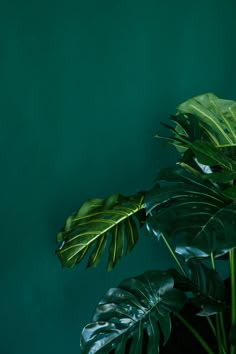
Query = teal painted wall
x=84 y=85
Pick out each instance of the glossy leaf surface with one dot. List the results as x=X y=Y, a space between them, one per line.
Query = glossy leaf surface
x=140 y=307
x=193 y=212
x=205 y=285
x=208 y=288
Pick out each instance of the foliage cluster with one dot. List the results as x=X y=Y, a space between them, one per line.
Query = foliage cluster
x=192 y=209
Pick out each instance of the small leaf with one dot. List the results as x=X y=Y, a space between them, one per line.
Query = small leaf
x=188 y=124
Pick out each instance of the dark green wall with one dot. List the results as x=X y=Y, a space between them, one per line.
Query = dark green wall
x=84 y=85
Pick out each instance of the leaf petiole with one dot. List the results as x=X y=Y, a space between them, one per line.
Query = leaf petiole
x=233 y=294
x=195 y=333
x=173 y=254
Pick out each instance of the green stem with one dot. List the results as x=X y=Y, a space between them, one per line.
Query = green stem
x=220 y=328
x=218 y=336
x=233 y=294
x=195 y=333
x=213 y=261
x=208 y=318
x=191 y=329
x=215 y=334
x=211 y=325
x=173 y=254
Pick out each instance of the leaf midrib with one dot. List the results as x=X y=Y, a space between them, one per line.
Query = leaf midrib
x=139 y=207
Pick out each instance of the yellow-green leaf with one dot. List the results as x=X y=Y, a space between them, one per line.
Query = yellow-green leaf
x=96 y=221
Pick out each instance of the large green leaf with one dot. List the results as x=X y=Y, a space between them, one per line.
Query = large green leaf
x=205 y=118
x=208 y=289
x=94 y=223
x=134 y=317
x=205 y=285
x=217 y=117
x=193 y=212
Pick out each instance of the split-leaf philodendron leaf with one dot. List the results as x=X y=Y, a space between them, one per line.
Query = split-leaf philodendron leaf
x=207 y=118
x=193 y=204
x=193 y=212
x=209 y=288
x=139 y=308
x=205 y=285
x=216 y=118
x=97 y=220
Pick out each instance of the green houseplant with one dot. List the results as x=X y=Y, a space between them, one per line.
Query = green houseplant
x=192 y=209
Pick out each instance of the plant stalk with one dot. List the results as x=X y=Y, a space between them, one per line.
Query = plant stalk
x=173 y=254
x=220 y=328
x=211 y=325
x=218 y=335
x=233 y=294
x=195 y=333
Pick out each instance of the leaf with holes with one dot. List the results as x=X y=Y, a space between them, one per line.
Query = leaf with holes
x=193 y=212
x=206 y=118
x=134 y=317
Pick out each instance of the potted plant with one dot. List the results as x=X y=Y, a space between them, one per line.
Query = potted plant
x=192 y=209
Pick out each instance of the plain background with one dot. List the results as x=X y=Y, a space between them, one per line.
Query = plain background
x=84 y=86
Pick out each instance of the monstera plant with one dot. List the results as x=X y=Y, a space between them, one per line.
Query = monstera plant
x=192 y=209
